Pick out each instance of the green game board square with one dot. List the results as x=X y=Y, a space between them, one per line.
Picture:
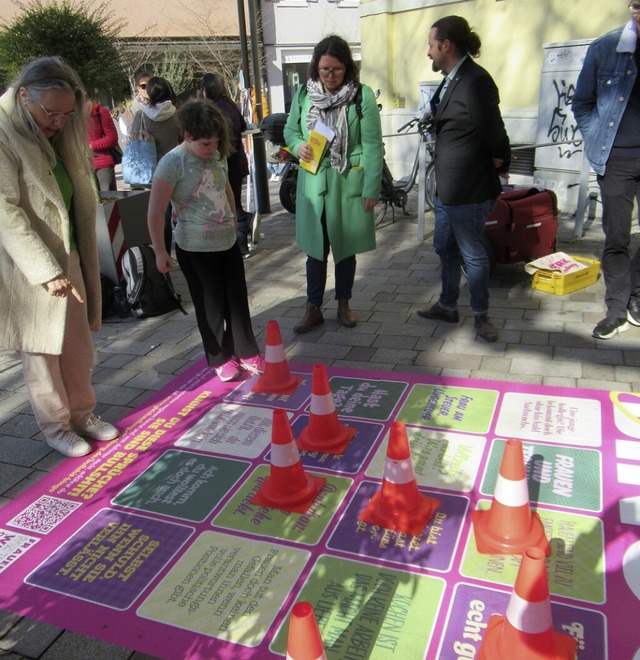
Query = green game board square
x=366 y=611
x=575 y=568
x=227 y=589
x=182 y=485
x=558 y=475
x=369 y=399
x=307 y=528
x=463 y=409
x=440 y=459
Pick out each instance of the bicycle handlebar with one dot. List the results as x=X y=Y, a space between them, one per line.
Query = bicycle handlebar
x=409 y=124
x=425 y=124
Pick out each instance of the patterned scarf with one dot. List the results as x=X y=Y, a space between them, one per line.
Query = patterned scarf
x=331 y=110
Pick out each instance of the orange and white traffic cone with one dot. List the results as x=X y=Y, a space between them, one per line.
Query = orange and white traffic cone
x=527 y=631
x=324 y=433
x=288 y=486
x=509 y=526
x=398 y=504
x=304 y=641
x=276 y=379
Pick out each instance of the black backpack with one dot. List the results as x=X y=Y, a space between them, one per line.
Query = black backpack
x=149 y=292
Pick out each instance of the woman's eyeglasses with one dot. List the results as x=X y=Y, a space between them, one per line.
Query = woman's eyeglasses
x=57 y=116
x=634 y=6
x=142 y=85
x=336 y=71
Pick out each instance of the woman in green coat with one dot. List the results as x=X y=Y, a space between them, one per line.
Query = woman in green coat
x=334 y=207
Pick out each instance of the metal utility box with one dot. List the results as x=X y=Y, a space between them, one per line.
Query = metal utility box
x=559 y=148
x=121 y=221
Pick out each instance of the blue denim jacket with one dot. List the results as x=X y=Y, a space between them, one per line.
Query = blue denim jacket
x=602 y=91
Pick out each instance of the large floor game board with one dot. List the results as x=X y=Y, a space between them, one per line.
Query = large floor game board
x=152 y=541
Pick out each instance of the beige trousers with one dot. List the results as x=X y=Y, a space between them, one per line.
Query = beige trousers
x=59 y=386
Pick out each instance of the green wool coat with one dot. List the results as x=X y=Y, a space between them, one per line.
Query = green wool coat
x=351 y=230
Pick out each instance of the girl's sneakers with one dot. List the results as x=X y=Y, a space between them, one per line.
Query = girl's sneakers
x=230 y=370
x=254 y=364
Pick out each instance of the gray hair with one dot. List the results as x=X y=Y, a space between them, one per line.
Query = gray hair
x=41 y=76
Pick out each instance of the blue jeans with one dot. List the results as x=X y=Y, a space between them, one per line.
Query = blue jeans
x=619 y=186
x=458 y=238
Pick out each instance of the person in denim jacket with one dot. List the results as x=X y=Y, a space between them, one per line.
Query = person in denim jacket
x=606 y=105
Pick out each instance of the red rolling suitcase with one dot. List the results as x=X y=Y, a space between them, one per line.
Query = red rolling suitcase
x=523 y=225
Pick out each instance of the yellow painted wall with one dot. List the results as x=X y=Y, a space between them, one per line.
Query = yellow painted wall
x=513 y=32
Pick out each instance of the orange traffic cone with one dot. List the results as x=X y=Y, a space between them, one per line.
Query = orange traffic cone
x=324 y=432
x=276 y=378
x=398 y=505
x=527 y=631
x=304 y=642
x=509 y=527
x=287 y=487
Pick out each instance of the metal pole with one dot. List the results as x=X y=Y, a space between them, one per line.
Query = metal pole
x=263 y=204
x=422 y=186
x=242 y=32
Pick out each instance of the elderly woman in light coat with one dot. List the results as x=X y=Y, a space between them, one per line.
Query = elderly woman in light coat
x=49 y=277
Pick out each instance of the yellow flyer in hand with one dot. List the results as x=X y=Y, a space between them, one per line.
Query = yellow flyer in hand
x=319 y=139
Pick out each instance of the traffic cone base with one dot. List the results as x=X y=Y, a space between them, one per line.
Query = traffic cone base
x=399 y=505
x=270 y=495
x=490 y=542
x=509 y=526
x=304 y=641
x=288 y=487
x=276 y=378
x=286 y=384
x=408 y=522
x=564 y=646
x=324 y=433
x=336 y=445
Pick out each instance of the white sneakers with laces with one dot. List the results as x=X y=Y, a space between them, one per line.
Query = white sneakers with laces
x=96 y=429
x=69 y=443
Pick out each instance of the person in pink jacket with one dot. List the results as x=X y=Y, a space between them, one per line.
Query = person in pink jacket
x=103 y=137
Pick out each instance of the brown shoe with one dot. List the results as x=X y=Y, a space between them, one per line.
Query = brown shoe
x=312 y=317
x=485 y=329
x=437 y=313
x=345 y=315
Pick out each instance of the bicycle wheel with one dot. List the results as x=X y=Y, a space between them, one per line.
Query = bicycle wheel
x=287 y=192
x=430 y=187
x=381 y=212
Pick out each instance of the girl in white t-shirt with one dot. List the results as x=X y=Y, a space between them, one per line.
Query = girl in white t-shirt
x=194 y=177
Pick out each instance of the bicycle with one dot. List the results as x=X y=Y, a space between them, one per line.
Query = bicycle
x=393 y=193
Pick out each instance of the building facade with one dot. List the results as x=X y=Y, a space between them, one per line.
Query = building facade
x=291 y=28
x=534 y=52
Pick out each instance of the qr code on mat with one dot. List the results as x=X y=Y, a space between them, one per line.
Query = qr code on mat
x=44 y=514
